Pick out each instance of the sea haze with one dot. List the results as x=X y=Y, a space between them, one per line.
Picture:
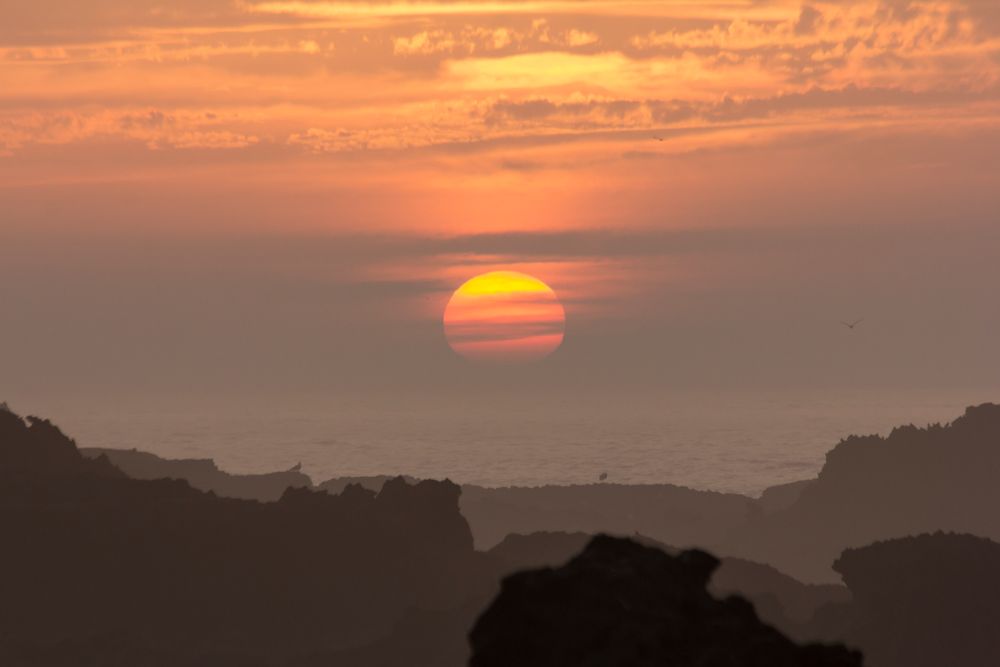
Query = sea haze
x=725 y=442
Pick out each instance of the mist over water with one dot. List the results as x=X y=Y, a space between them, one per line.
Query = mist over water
x=731 y=442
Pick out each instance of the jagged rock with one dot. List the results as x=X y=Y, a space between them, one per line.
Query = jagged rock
x=624 y=604
x=101 y=569
x=916 y=480
x=925 y=601
x=373 y=482
x=665 y=512
x=34 y=447
x=779 y=600
x=202 y=474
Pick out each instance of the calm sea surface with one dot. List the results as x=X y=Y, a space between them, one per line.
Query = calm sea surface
x=732 y=442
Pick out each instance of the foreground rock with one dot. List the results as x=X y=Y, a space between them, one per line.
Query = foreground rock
x=779 y=600
x=621 y=603
x=100 y=569
x=925 y=601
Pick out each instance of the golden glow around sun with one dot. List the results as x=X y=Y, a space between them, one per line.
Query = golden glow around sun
x=504 y=316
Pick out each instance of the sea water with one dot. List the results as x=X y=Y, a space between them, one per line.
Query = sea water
x=737 y=442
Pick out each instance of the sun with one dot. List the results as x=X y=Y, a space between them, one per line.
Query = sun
x=504 y=316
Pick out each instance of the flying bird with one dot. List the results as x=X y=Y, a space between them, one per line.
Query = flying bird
x=658 y=138
x=851 y=325
x=603 y=476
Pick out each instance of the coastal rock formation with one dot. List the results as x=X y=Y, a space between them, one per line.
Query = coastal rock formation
x=202 y=474
x=914 y=481
x=373 y=482
x=781 y=496
x=925 y=601
x=779 y=600
x=622 y=603
x=668 y=513
x=664 y=512
x=100 y=569
x=104 y=569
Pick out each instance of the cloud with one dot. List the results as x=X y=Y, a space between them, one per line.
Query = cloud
x=563 y=245
x=154 y=128
x=73 y=22
x=543 y=87
x=650 y=113
x=543 y=109
x=809 y=18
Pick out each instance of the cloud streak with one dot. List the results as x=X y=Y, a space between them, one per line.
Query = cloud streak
x=331 y=78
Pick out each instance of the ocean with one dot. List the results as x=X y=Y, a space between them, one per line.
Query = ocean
x=729 y=442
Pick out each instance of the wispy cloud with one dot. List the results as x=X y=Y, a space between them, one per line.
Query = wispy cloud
x=335 y=78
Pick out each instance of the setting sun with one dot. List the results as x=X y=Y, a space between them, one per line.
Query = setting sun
x=504 y=316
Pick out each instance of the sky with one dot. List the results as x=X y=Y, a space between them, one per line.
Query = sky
x=228 y=196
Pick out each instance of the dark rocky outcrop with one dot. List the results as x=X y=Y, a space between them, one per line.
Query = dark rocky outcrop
x=665 y=512
x=100 y=569
x=914 y=481
x=622 y=603
x=373 y=482
x=924 y=601
x=203 y=474
x=546 y=549
x=781 y=601
x=668 y=513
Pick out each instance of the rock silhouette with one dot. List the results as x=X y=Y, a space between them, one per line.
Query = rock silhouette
x=668 y=513
x=916 y=480
x=203 y=474
x=779 y=497
x=925 y=601
x=100 y=569
x=545 y=549
x=622 y=603
x=871 y=488
x=373 y=482
x=779 y=600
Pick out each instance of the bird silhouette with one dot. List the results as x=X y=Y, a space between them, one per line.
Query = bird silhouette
x=851 y=325
x=658 y=138
x=603 y=476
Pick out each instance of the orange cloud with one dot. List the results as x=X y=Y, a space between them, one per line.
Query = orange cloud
x=491 y=119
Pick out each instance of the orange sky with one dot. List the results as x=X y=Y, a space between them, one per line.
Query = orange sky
x=432 y=94
x=588 y=143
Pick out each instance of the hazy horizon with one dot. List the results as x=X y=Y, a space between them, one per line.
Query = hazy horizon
x=739 y=442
